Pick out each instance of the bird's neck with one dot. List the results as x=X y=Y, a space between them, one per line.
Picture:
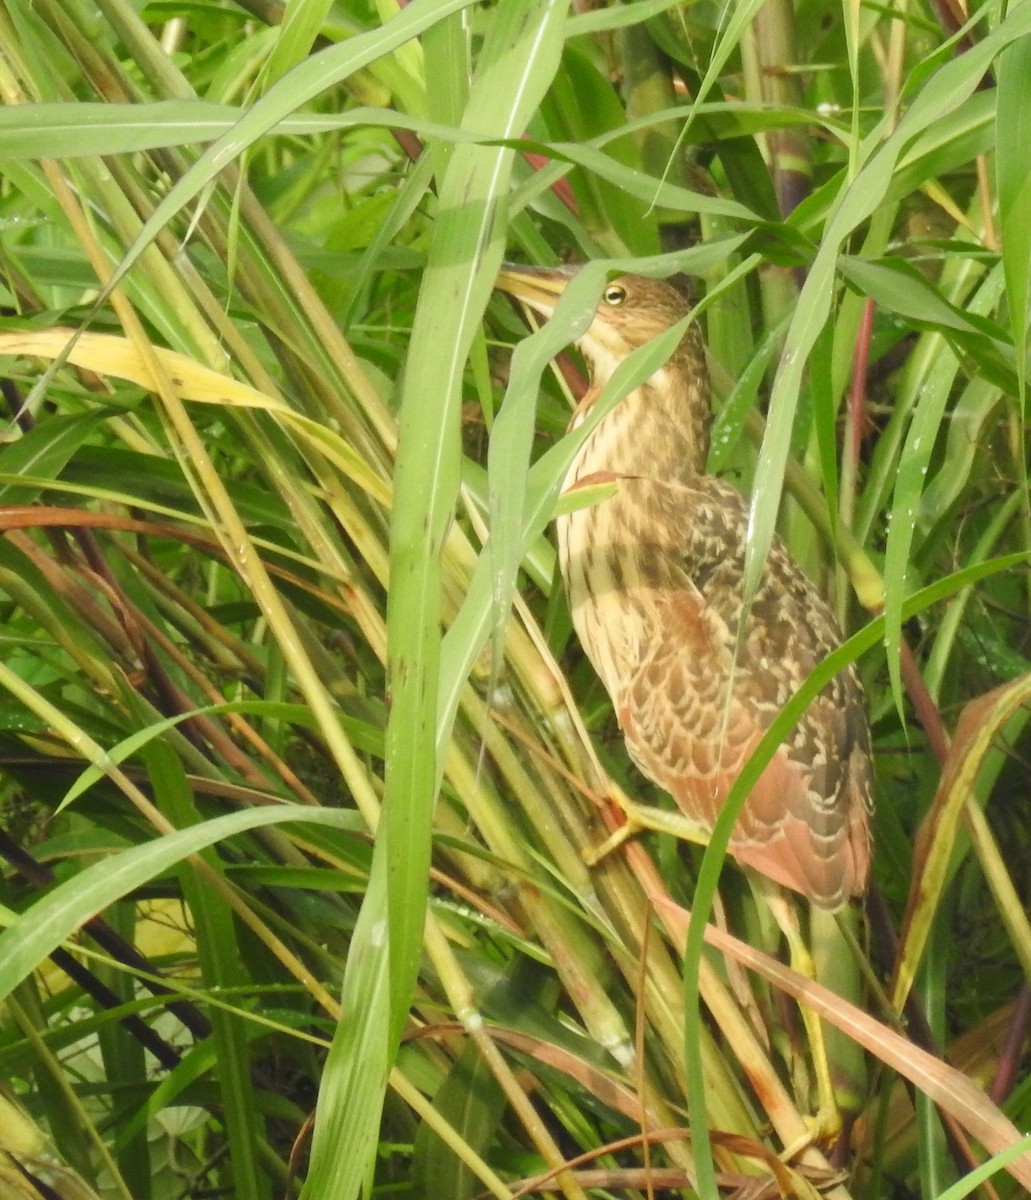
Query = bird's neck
x=659 y=431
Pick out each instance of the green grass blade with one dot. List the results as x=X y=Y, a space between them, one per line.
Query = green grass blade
x=1013 y=173
x=519 y=57
x=300 y=85
x=62 y=911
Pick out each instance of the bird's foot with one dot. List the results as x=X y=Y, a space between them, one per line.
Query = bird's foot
x=823 y=1129
x=825 y=1124
x=592 y=855
x=641 y=817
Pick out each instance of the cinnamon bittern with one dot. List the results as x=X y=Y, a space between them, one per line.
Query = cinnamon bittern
x=654 y=574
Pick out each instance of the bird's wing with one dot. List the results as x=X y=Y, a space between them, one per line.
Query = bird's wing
x=803 y=823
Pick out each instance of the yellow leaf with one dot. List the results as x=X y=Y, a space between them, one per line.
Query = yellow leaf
x=108 y=354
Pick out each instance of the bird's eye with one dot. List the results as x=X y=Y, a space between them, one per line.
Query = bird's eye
x=614 y=294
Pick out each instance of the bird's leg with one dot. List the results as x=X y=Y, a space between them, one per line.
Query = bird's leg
x=640 y=817
x=836 y=955
x=826 y=1123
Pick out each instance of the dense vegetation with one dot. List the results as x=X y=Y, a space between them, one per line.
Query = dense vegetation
x=254 y=368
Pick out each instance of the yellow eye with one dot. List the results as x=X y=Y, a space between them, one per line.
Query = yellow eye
x=614 y=294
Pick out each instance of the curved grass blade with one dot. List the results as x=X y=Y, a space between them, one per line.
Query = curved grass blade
x=518 y=61
x=57 y=916
x=981 y=723
x=1013 y=173
x=303 y=83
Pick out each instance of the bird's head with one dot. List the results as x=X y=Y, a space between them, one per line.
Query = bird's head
x=673 y=405
x=632 y=310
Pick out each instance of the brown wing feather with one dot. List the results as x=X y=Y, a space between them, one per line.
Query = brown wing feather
x=655 y=581
x=805 y=822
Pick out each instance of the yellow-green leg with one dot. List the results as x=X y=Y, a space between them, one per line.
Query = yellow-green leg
x=826 y=1123
x=640 y=817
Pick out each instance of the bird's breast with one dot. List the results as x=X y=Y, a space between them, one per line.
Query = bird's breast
x=615 y=554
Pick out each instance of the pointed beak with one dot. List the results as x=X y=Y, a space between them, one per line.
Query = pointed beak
x=538 y=288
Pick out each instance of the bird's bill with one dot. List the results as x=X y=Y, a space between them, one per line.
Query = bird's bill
x=537 y=287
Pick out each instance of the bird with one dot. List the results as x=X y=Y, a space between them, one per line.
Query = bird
x=654 y=572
